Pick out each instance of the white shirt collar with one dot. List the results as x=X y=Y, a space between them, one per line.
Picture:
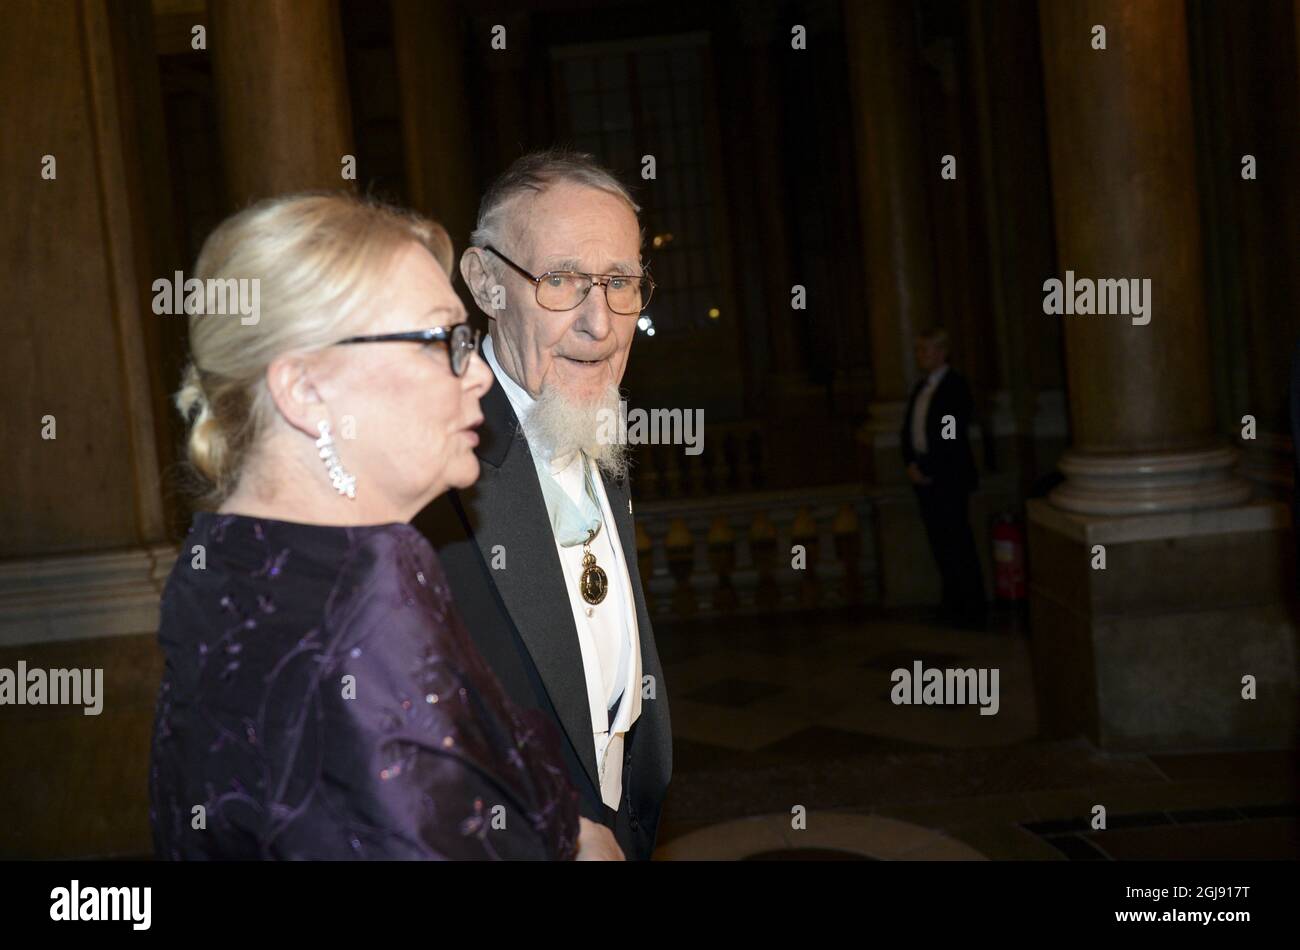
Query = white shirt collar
x=937 y=375
x=520 y=401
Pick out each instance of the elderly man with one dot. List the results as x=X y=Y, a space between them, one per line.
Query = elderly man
x=541 y=552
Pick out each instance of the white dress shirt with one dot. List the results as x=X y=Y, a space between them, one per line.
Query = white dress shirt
x=922 y=409
x=607 y=632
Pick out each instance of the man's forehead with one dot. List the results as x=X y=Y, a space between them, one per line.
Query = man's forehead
x=595 y=263
x=568 y=214
x=599 y=253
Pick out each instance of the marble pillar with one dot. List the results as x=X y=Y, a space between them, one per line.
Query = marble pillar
x=282 y=96
x=899 y=298
x=1156 y=584
x=83 y=526
x=436 y=132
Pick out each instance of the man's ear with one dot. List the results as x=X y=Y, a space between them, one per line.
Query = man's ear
x=478 y=278
x=288 y=379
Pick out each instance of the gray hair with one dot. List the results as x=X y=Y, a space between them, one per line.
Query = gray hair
x=533 y=173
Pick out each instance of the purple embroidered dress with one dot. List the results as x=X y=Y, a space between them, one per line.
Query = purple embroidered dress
x=321 y=700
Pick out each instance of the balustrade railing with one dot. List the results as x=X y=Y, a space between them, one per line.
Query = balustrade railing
x=757 y=551
x=733 y=460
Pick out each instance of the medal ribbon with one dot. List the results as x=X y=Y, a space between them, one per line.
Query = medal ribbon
x=572 y=524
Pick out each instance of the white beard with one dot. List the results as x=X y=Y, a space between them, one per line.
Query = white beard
x=559 y=426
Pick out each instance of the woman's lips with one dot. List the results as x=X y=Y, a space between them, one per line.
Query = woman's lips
x=469 y=430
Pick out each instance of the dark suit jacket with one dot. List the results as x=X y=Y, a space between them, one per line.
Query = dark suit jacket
x=949 y=462
x=522 y=622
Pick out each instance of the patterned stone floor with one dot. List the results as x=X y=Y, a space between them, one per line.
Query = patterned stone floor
x=781 y=716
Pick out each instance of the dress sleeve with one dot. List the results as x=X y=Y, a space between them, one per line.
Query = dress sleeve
x=420 y=755
x=406 y=790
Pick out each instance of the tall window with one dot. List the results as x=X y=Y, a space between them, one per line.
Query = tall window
x=623 y=101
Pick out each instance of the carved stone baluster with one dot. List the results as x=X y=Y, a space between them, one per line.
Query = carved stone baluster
x=680 y=546
x=762 y=542
x=848 y=548
x=744 y=577
x=722 y=558
x=804 y=532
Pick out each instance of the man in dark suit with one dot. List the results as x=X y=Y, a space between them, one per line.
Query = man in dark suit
x=541 y=552
x=941 y=467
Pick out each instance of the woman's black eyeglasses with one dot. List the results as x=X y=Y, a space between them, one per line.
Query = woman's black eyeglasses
x=564 y=289
x=461 y=340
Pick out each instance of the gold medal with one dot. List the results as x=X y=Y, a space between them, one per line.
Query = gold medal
x=593 y=585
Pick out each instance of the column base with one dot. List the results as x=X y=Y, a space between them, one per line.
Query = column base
x=1149 y=654
x=1127 y=484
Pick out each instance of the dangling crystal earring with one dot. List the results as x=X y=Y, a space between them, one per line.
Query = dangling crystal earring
x=343 y=483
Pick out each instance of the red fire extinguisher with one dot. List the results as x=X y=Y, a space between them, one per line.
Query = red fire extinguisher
x=1008 y=558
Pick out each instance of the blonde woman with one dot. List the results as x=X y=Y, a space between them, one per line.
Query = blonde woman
x=321 y=698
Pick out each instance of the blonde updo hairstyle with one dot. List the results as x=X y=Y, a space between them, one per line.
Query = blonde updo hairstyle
x=319 y=258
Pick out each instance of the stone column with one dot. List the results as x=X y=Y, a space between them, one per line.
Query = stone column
x=891 y=161
x=792 y=406
x=1026 y=414
x=84 y=546
x=281 y=94
x=899 y=298
x=1124 y=181
x=762 y=104
x=1155 y=590
x=435 y=115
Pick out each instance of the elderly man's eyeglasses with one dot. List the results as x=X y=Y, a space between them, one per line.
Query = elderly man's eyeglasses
x=564 y=289
x=461 y=341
